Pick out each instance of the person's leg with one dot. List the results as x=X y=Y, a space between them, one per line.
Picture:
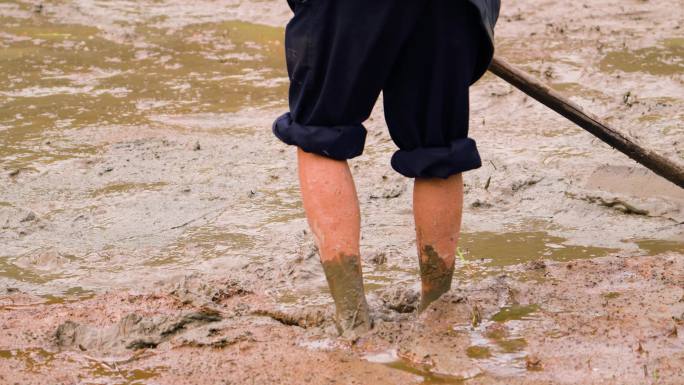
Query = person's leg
x=332 y=209
x=426 y=108
x=339 y=54
x=437 y=209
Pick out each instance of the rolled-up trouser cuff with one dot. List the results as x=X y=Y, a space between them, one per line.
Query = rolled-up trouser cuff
x=438 y=162
x=336 y=142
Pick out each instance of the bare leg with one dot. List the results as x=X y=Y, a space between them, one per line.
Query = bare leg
x=332 y=209
x=437 y=209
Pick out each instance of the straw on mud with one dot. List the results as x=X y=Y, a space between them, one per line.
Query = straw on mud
x=550 y=98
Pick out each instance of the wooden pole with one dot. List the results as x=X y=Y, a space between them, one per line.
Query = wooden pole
x=550 y=98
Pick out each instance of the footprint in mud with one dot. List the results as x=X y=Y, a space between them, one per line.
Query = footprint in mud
x=132 y=332
x=425 y=374
x=400 y=299
x=497 y=343
x=436 y=351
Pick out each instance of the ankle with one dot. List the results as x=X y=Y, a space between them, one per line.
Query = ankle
x=345 y=280
x=436 y=275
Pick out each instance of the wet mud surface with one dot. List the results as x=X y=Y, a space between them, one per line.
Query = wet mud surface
x=151 y=230
x=611 y=320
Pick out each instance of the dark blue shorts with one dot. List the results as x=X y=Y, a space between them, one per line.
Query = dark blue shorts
x=422 y=54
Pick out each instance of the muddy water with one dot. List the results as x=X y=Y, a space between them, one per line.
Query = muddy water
x=98 y=90
x=135 y=148
x=35 y=360
x=665 y=58
x=61 y=77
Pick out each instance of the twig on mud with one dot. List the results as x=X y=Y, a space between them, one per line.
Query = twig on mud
x=220 y=212
x=198 y=218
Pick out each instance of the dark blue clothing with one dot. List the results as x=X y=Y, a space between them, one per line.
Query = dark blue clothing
x=489 y=15
x=489 y=12
x=423 y=55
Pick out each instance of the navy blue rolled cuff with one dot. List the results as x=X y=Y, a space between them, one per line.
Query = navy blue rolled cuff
x=438 y=162
x=336 y=142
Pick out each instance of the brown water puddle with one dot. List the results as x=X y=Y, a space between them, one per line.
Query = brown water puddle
x=73 y=294
x=658 y=246
x=32 y=359
x=17 y=273
x=62 y=77
x=38 y=359
x=515 y=313
x=506 y=249
x=101 y=370
x=496 y=345
x=427 y=377
x=391 y=359
x=664 y=59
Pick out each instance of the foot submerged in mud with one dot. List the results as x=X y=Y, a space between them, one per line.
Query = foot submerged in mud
x=344 y=277
x=436 y=275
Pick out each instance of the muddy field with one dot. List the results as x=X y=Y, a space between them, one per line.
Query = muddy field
x=151 y=230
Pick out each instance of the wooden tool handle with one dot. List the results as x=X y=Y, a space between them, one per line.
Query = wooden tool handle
x=550 y=98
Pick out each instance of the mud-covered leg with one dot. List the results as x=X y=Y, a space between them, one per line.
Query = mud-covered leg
x=436 y=274
x=438 y=208
x=332 y=209
x=346 y=286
